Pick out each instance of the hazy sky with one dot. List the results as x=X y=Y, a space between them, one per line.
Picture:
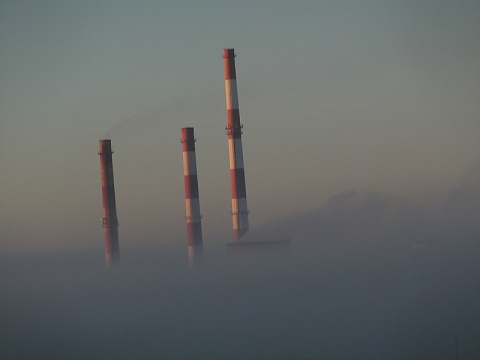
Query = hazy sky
x=334 y=96
x=361 y=144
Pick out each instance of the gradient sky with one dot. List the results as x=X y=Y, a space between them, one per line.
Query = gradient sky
x=334 y=96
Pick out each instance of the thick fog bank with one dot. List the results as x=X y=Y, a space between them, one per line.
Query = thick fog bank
x=262 y=306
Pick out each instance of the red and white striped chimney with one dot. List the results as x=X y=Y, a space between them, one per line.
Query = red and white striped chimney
x=192 y=201
x=234 y=132
x=109 y=219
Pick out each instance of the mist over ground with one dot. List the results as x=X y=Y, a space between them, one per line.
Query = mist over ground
x=367 y=276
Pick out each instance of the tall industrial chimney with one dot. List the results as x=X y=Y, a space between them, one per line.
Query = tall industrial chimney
x=234 y=132
x=192 y=202
x=109 y=219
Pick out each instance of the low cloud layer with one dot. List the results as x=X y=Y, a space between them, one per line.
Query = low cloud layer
x=379 y=220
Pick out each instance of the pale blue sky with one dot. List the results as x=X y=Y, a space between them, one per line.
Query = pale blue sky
x=334 y=95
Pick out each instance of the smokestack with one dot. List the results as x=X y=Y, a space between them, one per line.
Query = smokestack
x=192 y=202
x=109 y=219
x=234 y=132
